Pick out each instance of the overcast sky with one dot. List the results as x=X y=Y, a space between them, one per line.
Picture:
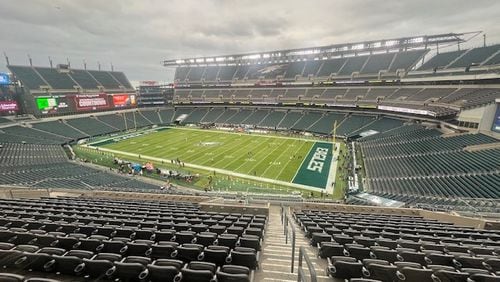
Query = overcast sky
x=137 y=35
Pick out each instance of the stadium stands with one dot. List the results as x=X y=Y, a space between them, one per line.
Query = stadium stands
x=151 y=116
x=212 y=115
x=406 y=61
x=43 y=137
x=388 y=247
x=441 y=60
x=105 y=79
x=272 y=119
x=412 y=161
x=475 y=56
x=140 y=120
x=116 y=121
x=364 y=64
x=46 y=166
x=28 y=76
x=4 y=120
x=326 y=123
x=84 y=79
x=306 y=121
x=294 y=68
x=35 y=77
x=196 y=115
x=438 y=100
x=463 y=58
x=91 y=126
x=353 y=123
x=121 y=78
x=166 y=115
x=60 y=128
x=129 y=240
x=55 y=79
x=239 y=117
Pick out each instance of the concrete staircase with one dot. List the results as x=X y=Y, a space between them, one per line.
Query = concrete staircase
x=275 y=257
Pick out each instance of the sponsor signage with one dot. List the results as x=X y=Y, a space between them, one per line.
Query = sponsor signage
x=91 y=102
x=123 y=100
x=8 y=106
x=406 y=110
x=52 y=104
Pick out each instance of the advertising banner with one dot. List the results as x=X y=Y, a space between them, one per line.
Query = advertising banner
x=91 y=102
x=53 y=105
x=406 y=110
x=8 y=106
x=123 y=100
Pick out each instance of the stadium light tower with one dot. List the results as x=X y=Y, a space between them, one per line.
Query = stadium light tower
x=327 y=51
x=6 y=58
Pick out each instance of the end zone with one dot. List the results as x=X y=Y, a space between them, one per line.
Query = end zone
x=318 y=168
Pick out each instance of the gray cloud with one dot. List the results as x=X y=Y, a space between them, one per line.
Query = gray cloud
x=137 y=35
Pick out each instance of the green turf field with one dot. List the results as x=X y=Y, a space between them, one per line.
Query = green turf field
x=277 y=158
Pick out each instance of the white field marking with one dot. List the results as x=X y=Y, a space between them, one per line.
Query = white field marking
x=223 y=150
x=279 y=156
x=300 y=166
x=180 y=143
x=245 y=147
x=258 y=153
x=283 y=168
x=244 y=134
x=277 y=147
x=195 y=157
x=174 y=141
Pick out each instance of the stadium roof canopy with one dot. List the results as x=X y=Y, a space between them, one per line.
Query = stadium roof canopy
x=329 y=51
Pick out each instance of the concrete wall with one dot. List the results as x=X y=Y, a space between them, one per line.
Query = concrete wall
x=455 y=219
x=23 y=193
x=355 y=209
x=440 y=216
x=472 y=115
x=235 y=208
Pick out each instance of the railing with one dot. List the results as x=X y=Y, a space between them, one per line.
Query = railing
x=301 y=275
x=287 y=223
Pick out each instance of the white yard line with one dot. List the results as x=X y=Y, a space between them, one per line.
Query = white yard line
x=282 y=169
x=277 y=147
x=300 y=166
x=246 y=134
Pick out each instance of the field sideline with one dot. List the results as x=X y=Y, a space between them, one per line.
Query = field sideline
x=277 y=158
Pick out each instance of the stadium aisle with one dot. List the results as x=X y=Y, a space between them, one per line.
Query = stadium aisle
x=275 y=257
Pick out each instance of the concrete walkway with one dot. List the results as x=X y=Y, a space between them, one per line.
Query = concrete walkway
x=275 y=258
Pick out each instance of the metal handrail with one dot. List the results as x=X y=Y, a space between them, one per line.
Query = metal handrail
x=312 y=271
x=285 y=220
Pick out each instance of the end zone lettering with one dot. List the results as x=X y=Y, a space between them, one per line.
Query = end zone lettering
x=318 y=159
x=315 y=168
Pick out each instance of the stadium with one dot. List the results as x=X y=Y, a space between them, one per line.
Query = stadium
x=373 y=160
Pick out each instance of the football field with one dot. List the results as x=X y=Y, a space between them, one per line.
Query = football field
x=293 y=160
